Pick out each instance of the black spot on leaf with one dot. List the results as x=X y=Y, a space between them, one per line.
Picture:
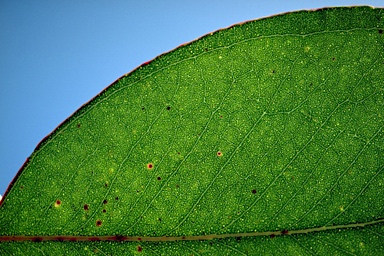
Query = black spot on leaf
x=380 y=31
x=86 y=207
x=254 y=191
x=98 y=223
x=37 y=239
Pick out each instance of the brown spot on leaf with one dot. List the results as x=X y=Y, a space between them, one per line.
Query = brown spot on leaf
x=98 y=223
x=380 y=31
x=86 y=207
x=105 y=201
x=104 y=211
x=159 y=178
x=284 y=232
x=139 y=249
x=150 y=166
x=219 y=153
x=254 y=191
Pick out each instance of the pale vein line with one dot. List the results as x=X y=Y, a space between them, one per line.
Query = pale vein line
x=308 y=250
x=357 y=196
x=204 y=53
x=308 y=177
x=178 y=62
x=122 y=163
x=190 y=249
x=335 y=246
x=221 y=169
x=184 y=159
x=277 y=246
x=98 y=250
x=149 y=180
x=287 y=165
x=70 y=179
x=338 y=179
x=232 y=248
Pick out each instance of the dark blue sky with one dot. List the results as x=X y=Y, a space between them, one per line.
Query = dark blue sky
x=57 y=55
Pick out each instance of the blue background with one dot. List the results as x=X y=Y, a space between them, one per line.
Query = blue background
x=57 y=55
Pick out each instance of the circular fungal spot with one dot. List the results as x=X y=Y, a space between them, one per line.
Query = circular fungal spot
x=98 y=223
x=86 y=207
x=254 y=191
x=272 y=236
x=78 y=125
x=168 y=108
x=21 y=187
x=106 y=184
x=380 y=31
x=284 y=232
x=159 y=178
x=104 y=211
x=159 y=219
x=116 y=198
x=177 y=186
x=221 y=116
x=143 y=108
x=139 y=249
x=150 y=166
x=57 y=203
x=333 y=58
x=105 y=201
x=219 y=153
x=178 y=153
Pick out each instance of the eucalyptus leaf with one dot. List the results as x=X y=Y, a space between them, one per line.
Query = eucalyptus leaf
x=263 y=138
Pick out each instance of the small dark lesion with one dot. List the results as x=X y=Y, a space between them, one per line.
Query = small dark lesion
x=37 y=239
x=380 y=31
x=78 y=125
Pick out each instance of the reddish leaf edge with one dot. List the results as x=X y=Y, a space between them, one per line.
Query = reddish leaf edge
x=82 y=107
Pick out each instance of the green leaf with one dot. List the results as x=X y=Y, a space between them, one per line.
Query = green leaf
x=263 y=138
